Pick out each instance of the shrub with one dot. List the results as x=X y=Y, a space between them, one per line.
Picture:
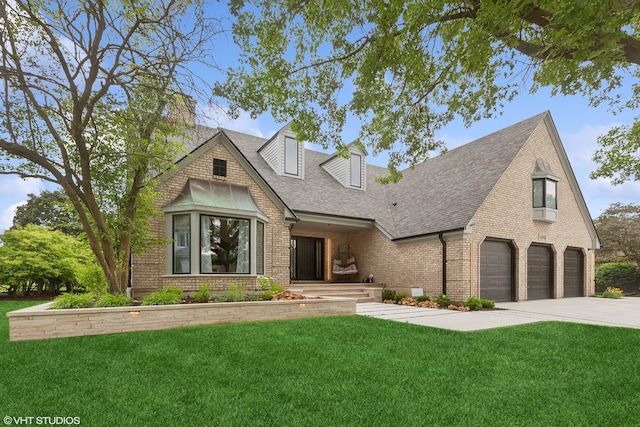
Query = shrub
x=91 y=279
x=611 y=292
x=423 y=298
x=443 y=301
x=487 y=303
x=399 y=297
x=268 y=287
x=616 y=274
x=202 y=294
x=235 y=292
x=66 y=301
x=166 y=296
x=110 y=300
x=473 y=303
x=387 y=293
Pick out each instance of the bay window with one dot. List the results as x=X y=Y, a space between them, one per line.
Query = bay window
x=215 y=228
x=224 y=244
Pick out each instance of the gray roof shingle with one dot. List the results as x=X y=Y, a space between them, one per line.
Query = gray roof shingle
x=441 y=194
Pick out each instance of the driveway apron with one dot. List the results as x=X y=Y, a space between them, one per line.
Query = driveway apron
x=624 y=312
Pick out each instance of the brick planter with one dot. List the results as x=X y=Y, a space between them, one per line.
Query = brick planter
x=38 y=322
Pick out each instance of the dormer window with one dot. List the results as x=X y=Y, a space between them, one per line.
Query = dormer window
x=356 y=170
x=291 y=156
x=284 y=154
x=349 y=170
x=545 y=193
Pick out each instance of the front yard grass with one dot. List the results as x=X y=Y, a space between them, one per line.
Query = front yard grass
x=327 y=372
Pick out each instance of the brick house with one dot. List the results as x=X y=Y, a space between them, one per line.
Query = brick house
x=501 y=217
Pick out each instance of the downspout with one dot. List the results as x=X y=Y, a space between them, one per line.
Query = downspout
x=444 y=263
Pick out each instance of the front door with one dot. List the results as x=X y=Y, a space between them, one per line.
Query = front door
x=307 y=258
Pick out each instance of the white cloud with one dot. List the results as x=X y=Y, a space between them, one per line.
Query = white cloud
x=13 y=187
x=6 y=216
x=216 y=116
x=600 y=193
x=13 y=193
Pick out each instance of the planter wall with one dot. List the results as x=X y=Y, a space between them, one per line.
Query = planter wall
x=38 y=322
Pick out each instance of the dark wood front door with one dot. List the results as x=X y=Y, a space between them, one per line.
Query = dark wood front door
x=307 y=258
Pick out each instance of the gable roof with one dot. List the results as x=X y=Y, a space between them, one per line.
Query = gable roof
x=441 y=194
x=445 y=192
x=198 y=139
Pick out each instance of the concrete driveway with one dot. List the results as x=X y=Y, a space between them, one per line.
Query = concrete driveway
x=624 y=312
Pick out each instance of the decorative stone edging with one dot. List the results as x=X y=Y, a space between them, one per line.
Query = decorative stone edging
x=38 y=322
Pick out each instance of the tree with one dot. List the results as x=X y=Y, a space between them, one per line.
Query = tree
x=85 y=88
x=38 y=258
x=406 y=69
x=51 y=209
x=619 y=232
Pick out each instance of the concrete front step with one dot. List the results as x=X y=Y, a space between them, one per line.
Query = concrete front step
x=361 y=292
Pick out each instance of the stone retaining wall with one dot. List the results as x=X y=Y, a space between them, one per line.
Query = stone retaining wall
x=38 y=322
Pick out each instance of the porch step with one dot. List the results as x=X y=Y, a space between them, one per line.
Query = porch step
x=363 y=292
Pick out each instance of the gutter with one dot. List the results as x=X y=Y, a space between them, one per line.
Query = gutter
x=444 y=263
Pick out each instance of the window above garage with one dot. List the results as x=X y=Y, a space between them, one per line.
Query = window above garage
x=545 y=193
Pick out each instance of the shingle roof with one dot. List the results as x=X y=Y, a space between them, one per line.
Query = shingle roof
x=440 y=194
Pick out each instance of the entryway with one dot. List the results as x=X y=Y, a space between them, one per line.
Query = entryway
x=307 y=258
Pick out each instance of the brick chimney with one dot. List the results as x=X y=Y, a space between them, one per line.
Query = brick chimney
x=182 y=109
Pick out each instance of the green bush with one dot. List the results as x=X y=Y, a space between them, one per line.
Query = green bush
x=423 y=298
x=66 y=301
x=268 y=287
x=91 y=278
x=617 y=275
x=202 y=294
x=474 y=303
x=110 y=300
x=388 y=293
x=443 y=301
x=487 y=303
x=612 y=293
x=235 y=292
x=399 y=297
x=166 y=296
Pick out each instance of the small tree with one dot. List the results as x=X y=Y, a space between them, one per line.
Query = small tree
x=85 y=89
x=38 y=258
x=51 y=209
x=619 y=232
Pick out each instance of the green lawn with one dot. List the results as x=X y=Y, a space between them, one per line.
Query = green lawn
x=328 y=372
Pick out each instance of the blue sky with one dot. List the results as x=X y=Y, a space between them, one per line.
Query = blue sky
x=578 y=125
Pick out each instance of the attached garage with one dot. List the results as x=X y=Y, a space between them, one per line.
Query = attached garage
x=496 y=271
x=539 y=272
x=573 y=273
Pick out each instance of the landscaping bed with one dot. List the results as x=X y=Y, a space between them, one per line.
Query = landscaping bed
x=41 y=322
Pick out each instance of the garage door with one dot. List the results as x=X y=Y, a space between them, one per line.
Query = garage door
x=539 y=270
x=573 y=273
x=496 y=271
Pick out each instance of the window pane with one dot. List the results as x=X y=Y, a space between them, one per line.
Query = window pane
x=224 y=244
x=290 y=156
x=181 y=243
x=538 y=193
x=356 y=172
x=260 y=248
x=551 y=199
